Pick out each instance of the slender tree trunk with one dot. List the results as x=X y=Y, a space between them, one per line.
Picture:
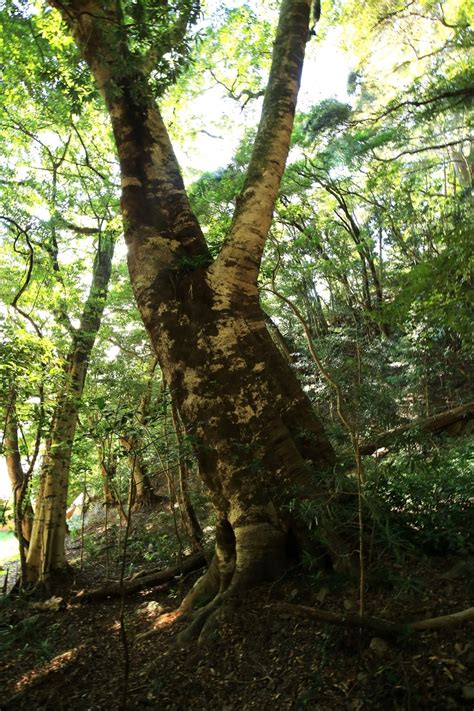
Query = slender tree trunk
x=23 y=511
x=323 y=324
x=192 y=521
x=340 y=276
x=144 y=496
x=143 y=493
x=46 y=554
x=464 y=168
x=255 y=435
x=279 y=339
x=313 y=308
x=108 y=467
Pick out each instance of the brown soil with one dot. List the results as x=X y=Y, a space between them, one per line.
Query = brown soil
x=73 y=658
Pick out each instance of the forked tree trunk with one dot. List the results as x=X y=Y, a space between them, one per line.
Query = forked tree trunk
x=46 y=554
x=255 y=435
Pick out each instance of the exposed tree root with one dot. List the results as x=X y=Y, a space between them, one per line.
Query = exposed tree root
x=435 y=623
x=201 y=620
x=114 y=589
x=205 y=620
x=204 y=590
x=375 y=624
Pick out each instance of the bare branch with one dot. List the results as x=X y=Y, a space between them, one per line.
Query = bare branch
x=414 y=151
x=86 y=153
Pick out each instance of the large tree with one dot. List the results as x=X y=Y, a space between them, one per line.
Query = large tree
x=254 y=432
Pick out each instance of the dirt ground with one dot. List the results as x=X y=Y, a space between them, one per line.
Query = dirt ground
x=259 y=658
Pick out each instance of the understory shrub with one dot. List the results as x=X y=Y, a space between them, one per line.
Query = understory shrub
x=424 y=494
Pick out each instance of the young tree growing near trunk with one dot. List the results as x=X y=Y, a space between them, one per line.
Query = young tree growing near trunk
x=253 y=429
x=46 y=555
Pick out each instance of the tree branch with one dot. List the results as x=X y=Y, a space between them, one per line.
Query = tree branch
x=423 y=149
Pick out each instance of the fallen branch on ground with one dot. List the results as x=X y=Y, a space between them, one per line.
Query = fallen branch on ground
x=375 y=624
x=114 y=589
x=435 y=423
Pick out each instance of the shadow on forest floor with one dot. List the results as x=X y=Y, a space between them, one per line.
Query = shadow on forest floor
x=72 y=658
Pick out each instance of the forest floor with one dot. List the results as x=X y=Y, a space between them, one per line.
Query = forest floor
x=259 y=658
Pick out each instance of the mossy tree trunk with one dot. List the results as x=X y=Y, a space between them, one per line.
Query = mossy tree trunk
x=46 y=554
x=254 y=432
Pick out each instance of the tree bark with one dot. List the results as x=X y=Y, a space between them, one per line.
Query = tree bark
x=255 y=435
x=46 y=555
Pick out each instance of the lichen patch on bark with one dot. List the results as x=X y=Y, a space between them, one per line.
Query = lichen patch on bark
x=127 y=181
